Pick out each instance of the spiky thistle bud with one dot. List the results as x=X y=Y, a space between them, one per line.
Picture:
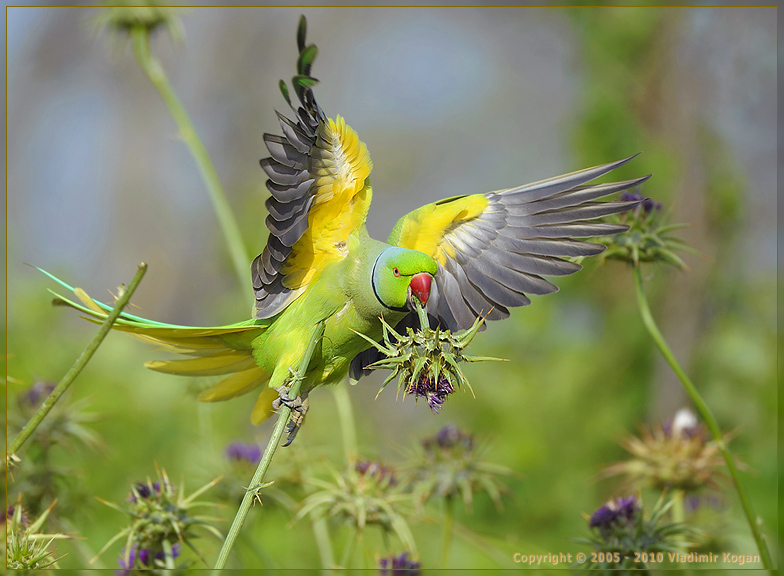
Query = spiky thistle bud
x=448 y=465
x=366 y=494
x=162 y=520
x=648 y=239
x=677 y=454
x=624 y=539
x=427 y=361
x=26 y=547
x=123 y=16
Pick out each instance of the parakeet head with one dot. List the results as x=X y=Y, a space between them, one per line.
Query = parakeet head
x=400 y=274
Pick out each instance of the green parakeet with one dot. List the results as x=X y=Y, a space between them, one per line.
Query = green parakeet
x=464 y=257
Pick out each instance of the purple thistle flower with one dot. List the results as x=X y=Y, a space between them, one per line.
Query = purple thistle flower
x=614 y=512
x=145 y=491
x=37 y=393
x=647 y=205
x=240 y=452
x=373 y=468
x=127 y=560
x=9 y=515
x=143 y=557
x=436 y=393
x=449 y=437
x=400 y=565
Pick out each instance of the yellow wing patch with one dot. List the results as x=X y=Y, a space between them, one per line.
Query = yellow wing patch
x=340 y=164
x=425 y=229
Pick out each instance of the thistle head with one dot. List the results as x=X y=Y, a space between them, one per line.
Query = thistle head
x=27 y=547
x=448 y=465
x=426 y=361
x=125 y=17
x=649 y=237
x=400 y=565
x=615 y=513
x=162 y=519
x=677 y=454
x=619 y=529
x=367 y=493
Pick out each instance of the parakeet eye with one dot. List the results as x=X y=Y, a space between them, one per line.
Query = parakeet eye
x=396 y=272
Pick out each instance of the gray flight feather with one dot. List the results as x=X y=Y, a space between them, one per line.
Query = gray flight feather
x=494 y=260
x=290 y=185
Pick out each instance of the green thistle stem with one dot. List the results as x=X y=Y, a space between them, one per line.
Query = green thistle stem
x=424 y=323
x=269 y=452
x=446 y=531
x=705 y=412
x=77 y=367
x=346 y=416
x=349 y=549
x=679 y=516
x=154 y=71
x=323 y=543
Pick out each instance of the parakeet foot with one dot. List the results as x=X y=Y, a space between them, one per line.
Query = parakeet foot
x=299 y=408
x=283 y=400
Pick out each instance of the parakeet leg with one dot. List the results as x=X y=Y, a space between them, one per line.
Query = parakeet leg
x=297 y=416
x=299 y=407
x=284 y=400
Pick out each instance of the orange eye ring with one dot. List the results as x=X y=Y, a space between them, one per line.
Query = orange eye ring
x=396 y=272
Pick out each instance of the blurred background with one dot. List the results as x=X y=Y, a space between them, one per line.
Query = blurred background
x=449 y=101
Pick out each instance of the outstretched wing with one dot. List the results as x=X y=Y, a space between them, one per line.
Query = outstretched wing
x=320 y=193
x=494 y=249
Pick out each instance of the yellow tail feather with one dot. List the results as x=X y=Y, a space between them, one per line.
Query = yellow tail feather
x=263 y=408
x=224 y=362
x=236 y=385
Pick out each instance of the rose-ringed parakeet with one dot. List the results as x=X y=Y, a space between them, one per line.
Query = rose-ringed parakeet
x=463 y=257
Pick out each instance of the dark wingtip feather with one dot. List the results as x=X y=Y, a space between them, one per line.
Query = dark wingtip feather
x=306 y=59
x=302 y=30
x=285 y=91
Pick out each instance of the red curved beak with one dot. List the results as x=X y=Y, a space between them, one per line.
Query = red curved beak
x=420 y=286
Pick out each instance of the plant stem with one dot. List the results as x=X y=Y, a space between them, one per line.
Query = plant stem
x=154 y=71
x=349 y=549
x=277 y=434
x=323 y=543
x=705 y=412
x=77 y=367
x=424 y=323
x=346 y=417
x=446 y=531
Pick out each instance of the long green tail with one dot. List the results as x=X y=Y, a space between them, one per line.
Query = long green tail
x=216 y=350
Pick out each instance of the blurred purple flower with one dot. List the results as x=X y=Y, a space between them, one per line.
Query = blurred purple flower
x=648 y=205
x=449 y=437
x=37 y=393
x=239 y=452
x=436 y=393
x=144 y=557
x=145 y=490
x=378 y=470
x=400 y=565
x=614 y=512
x=9 y=515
